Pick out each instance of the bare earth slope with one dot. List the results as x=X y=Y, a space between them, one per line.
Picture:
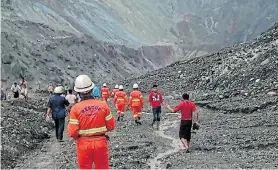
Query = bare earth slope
x=42 y=36
x=44 y=54
x=245 y=69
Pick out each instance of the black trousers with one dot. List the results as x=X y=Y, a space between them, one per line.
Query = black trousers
x=59 y=127
x=185 y=129
x=16 y=94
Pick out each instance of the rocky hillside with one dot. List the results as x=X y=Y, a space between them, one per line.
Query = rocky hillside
x=61 y=59
x=195 y=25
x=113 y=39
x=243 y=70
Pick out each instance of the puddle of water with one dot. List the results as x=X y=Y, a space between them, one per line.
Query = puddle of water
x=176 y=145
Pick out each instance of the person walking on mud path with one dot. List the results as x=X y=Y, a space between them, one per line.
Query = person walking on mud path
x=136 y=102
x=23 y=86
x=50 y=89
x=96 y=92
x=155 y=101
x=57 y=106
x=66 y=89
x=187 y=108
x=121 y=102
x=71 y=98
x=105 y=92
x=115 y=90
x=16 y=90
x=89 y=120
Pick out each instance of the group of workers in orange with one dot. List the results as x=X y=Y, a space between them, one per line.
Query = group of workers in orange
x=91 y=118
x=121 y=101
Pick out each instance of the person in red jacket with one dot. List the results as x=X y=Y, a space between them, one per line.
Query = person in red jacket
x=155 y=101
x=187 y=108
x=105 y=92
x=136 y=103
x=89 y=120
x=120 y=101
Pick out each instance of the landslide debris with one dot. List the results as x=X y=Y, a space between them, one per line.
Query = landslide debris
x=246 y=70
x=23 y=129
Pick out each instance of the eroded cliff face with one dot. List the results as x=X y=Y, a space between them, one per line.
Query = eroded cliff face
x=112 y=39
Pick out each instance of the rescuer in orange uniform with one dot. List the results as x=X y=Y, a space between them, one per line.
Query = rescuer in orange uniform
x=121 y=101
x=105 y=92
x=115 y=90
x=89 y=120
x=136 y=102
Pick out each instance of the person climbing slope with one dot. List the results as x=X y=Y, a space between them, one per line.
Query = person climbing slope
x=155 y=101
x=120 y=101
x=57 y=106
x=187 y=108
x=105 y=92
x=89 y=120
x=136 y=103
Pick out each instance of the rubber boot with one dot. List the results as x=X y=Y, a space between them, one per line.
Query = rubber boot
x=157 y=125
x=122 y=118
x=118 y=118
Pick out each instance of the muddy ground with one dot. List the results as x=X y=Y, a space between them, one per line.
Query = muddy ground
x=225 y=140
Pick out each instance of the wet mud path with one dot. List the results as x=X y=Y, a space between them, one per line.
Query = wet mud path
x=52 y=154
x=176 y=145
x=224 y=141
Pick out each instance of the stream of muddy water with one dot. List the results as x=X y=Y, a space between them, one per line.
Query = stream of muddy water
x=176 y=144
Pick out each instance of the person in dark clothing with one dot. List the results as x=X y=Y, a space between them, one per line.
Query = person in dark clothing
x=187 y=109
x=57 y=106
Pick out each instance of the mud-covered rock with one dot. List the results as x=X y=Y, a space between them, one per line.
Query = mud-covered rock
x=23 y=129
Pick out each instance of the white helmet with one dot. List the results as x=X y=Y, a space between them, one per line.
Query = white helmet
x=59 y=89
x=121 y=87
x=117 y=86
x=104 y=85
x=135 y=86
x=83 y=83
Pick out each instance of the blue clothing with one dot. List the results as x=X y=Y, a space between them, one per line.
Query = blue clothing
x=58 y=105
x=96 y=92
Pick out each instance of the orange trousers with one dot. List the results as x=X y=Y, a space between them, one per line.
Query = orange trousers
x=105 y=98
x=137 y=112
x=120 y=109
x=92 y=151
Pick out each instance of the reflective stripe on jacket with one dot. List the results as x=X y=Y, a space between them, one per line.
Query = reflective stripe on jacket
x=89 y=118
x=105 y=92
x=136 y=98
x=120 y=98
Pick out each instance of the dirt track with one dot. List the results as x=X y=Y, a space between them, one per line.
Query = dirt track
x=234 y=140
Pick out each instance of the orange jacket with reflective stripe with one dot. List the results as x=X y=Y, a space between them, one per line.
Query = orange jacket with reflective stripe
x=105 y=92
x=114 y=92
x=136 y=98
x=121 y=98
x=90 y=117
